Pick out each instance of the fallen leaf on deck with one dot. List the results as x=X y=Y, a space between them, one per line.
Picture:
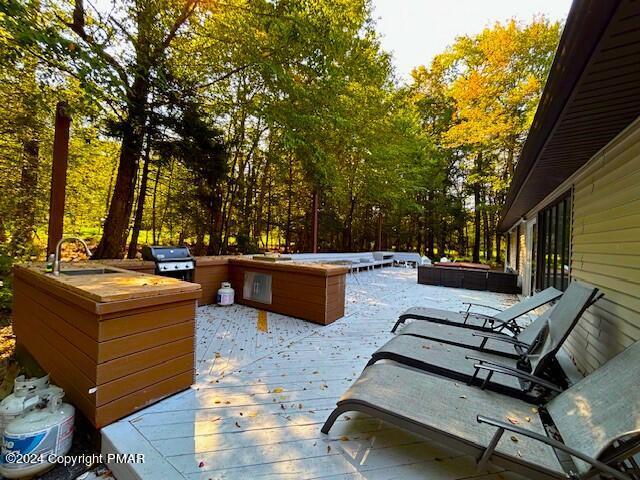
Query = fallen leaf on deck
x=277 y=390
x=512 y=420
x=514 y=439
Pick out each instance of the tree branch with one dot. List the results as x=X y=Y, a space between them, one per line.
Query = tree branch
x=225 y=76
x=187 y=11
x=78 y=27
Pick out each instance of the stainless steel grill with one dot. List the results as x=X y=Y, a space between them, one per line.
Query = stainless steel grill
x=175 y=262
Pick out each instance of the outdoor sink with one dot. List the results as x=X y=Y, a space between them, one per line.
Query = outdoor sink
x=88 y=271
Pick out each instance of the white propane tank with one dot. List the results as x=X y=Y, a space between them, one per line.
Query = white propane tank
x=225 y=294
x=45 y=430
x=22 y=398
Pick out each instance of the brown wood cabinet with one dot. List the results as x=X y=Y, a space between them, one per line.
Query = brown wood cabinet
x=112 y=354
x=210 y=273
x=308 y=291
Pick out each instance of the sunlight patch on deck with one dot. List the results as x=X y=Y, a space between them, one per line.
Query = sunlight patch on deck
x=261 y=396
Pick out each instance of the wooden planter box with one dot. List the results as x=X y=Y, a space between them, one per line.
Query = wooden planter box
x=110 y=357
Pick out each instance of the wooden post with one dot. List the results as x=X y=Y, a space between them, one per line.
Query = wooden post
x=379 y=233
x=58 y=176
x=314 y=223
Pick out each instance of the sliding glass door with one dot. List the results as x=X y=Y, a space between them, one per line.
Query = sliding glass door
x=554 y=245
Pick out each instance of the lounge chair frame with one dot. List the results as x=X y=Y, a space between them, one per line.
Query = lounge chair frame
x=496 y=324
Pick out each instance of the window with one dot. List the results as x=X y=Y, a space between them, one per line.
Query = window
x=554 y=240
x=534 y=256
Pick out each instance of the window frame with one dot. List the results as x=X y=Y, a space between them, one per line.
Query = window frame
x=553 y=248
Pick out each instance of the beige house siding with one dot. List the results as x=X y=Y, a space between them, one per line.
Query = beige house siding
x=511 y=261
x=606 y=250
x=522 y=240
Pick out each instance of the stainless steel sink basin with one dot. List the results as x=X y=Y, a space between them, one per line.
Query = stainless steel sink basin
x=88 y=271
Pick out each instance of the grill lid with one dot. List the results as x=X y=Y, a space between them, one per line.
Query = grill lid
x=160 y=254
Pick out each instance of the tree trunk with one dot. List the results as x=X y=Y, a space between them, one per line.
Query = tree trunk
x=211 y=248
x=498 y=248
x=167 y=203
x=488 y=245
x=314 y=221
x=25 y=213
x=476 y=224
x=264 y=186
x=287 y=241
x=476 y=198
x=268 y=227
x=142 y=195
x=441 y=240
x=347 y=236
x=3 y=234
x=113 y=238
x=154 y=208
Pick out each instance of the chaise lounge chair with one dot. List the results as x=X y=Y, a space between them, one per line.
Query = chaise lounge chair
x=499 y=343
x=599 y=429
x=503 y=319
x=491 y=341
x=516 y=376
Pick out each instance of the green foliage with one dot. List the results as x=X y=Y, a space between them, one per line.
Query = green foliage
x=6 y=262
x=247 y=108
x=477 y=100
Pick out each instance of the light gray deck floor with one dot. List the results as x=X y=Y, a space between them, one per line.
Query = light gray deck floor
x=261 y=397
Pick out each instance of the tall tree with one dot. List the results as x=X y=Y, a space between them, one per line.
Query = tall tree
x=116 y=54
x=490 y=84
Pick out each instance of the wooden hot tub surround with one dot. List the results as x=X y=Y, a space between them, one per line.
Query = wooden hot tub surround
x=115 y=342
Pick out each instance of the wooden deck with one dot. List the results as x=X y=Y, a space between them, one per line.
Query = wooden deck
x=262 y=396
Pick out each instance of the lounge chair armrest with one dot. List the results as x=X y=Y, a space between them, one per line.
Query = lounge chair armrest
x=514 y=372
x=500 y=324
x=480 y=315
x=496 y=324
x=502 y=426
x=472 y=304
x=500 y=338
x=484 y=361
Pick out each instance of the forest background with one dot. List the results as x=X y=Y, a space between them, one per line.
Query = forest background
x=215 y=123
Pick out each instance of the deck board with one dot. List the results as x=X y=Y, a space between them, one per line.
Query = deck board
x=260 y=398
